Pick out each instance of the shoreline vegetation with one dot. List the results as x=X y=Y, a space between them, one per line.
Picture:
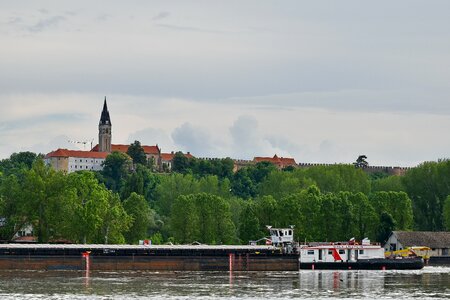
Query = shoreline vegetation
x=204 y=201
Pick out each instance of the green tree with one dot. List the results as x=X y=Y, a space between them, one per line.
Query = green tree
x=427 y=186
x=364 y=216
x=13 y=207
x=180 y=163
x=116 y=168
x=212 y=185
x=133 y=184
x=446 y=213
x=338 y=178
x=170 y=187
x=116 y=222
x=222 y=168
x=38 y=199
x=266 y=208
x=141 y=181
x=136 y=207
x=184 y=222
x=387 y=184
x=215 y=224
x=18 y=161
x=88 y=208
x=242 y=185
x=249 y=229
x=260 y=171
x=137 y=153
x=386 y=226
x=330 y=218
x=344 y=214
x=202 y=217
x=281 y=184
x=397 y=204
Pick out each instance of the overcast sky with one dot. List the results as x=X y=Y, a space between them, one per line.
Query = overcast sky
x=320 y=81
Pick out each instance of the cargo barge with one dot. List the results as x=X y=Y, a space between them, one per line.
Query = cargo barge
x=140 y=257
x=280 y=253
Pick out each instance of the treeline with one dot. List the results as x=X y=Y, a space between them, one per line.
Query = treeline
x=206 y=201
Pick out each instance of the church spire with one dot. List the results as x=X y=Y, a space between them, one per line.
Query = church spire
x=104 y=130
x=105 y=119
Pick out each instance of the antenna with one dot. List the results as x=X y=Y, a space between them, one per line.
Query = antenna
x=83 y=142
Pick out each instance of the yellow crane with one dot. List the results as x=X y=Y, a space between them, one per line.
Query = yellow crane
x=421 y=251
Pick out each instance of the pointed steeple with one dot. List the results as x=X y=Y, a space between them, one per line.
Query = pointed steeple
x=105 y=130
x=105 y=119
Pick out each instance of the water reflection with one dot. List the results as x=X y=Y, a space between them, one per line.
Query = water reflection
x=341 y=283
x=428 y=283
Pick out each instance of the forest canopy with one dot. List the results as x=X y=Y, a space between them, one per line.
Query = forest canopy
x=205 y=201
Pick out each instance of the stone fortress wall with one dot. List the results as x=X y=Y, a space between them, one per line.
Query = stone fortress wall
x=397 y=171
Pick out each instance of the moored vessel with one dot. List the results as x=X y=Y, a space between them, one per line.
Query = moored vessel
x=353 y=256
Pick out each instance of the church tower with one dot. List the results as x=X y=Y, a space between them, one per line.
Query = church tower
x=104 y=130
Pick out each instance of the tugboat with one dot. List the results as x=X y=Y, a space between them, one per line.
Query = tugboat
x=353 y=256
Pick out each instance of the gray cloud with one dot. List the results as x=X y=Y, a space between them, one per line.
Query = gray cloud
x=43 y=11
x=245 y=136
x=60 y=141
x=14 y=21
x=286 y=145
x=103 y=17
x=63 y=119
x=189 y=28
x=162 y=15
x=46 y=23
x=359 y=68
x=193 y=139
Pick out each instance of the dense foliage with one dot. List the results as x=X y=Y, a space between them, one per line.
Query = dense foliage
x=206 y=201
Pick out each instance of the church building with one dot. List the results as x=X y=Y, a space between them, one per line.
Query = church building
x=76 y=160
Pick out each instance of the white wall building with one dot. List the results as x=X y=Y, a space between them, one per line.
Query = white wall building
x=73 y=160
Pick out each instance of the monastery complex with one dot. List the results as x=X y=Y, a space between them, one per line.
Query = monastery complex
x=76 y=160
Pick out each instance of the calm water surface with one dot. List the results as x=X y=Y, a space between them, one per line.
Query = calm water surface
x=429 y=283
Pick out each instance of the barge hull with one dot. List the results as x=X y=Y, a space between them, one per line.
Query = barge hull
x=152 y=258
x=370 y=264
x=158 y=263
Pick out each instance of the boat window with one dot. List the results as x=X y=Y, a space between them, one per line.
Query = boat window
x=341 y=251
x=361 y=251
x=290 y=232
x=310 y=252
x=281 y=232
x=330 y=252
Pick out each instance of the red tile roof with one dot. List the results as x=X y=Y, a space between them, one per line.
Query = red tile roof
x=169 y=156
x=124 y=148
x=76 y=153
x=151 y=149
x=279 y=161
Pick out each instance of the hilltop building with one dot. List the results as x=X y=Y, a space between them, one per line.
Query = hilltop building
x=167 y=160
x=279 y=162
x=76 y=160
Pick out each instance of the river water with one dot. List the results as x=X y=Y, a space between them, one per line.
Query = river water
x=429 y=283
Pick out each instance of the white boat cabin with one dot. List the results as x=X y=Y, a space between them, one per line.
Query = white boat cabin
x=340 y=252
x=281 y=236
